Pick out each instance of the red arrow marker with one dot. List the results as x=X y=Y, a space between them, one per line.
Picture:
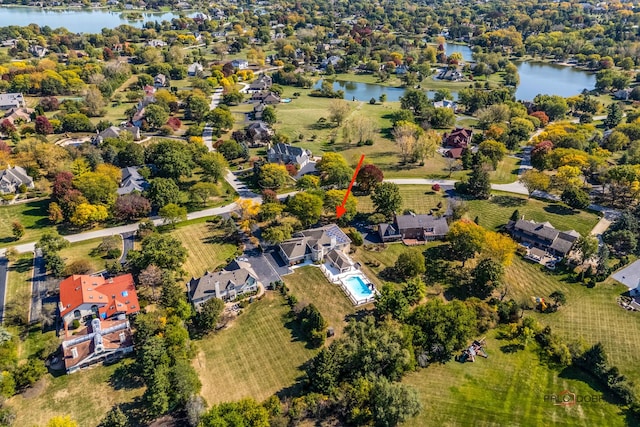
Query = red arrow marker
x=340 y=210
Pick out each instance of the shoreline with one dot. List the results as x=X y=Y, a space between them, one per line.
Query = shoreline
x=69 y=8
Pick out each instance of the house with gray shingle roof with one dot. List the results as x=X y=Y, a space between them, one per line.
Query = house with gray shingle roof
x=12 y=178
x=237 y=279
x=414 y=229
x=314 y=244
x=288 y=154
x=544 y=236
x=131 y=181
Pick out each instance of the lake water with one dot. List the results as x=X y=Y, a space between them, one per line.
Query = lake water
x=464 y=50
x=76 y=21
x=366 y=91
x=550 y=79
x=540 y=78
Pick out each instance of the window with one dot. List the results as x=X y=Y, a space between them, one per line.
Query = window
x=77 y=314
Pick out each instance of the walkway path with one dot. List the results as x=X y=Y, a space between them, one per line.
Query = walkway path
x=38 y=286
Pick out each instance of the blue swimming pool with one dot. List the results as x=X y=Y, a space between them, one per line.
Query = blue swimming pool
x=358 y=288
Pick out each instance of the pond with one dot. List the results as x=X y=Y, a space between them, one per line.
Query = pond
x=550 y=79
x=463 y=49
x=366 y=91
x=539 y=77
x=76 y=21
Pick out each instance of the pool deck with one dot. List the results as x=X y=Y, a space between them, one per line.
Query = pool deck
x=338 y=278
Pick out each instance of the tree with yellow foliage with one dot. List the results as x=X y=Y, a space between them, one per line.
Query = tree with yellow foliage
x=62 y=421
x=498 y=247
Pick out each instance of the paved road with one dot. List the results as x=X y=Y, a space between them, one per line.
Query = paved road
x=38 y=287
x=127 y=245
x=4 y=277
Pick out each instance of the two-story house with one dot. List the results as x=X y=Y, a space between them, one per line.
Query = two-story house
x=543 y=236
x=237 y=279
x=414 y=229
x=314 y=244
x=83 y=296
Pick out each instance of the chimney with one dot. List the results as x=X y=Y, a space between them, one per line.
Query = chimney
x=334 y=242
x=217 y=287
x=122 y=337
x=74 y=352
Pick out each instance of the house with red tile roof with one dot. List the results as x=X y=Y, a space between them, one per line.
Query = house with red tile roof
x=83 y=296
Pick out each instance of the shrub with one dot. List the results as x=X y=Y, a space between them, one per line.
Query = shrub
x=75 y=324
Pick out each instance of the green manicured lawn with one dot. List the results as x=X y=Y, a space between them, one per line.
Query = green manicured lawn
x=86 y=396
x=309 y=285
x=506 y=172
x=32 y=215
x=256 y=356
x=205 y=252
x=82 y=251
x=373 y=262
x=418 y=198
x=19 y=289
x=590 y=313
x=496 y=212
x=505 y=389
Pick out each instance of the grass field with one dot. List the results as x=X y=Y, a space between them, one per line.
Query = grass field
x=85 y=395
x=496 y=212
x=204 y=252
x=505 y=390
x=19 y=289
x=32 y=215
x=256 y=356
x=418 y=198
x=82 y=251
x=309 y=285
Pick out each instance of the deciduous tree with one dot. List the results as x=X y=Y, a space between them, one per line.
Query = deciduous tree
x=386 y=198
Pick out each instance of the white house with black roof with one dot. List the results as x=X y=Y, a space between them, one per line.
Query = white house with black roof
x=315 y=244
x=288 y=154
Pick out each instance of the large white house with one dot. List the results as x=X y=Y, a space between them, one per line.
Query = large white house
x=314 y=244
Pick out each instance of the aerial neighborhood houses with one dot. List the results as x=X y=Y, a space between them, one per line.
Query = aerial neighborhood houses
x=414 y=229
x=14 y=180
x=543 y=242
x=104 y=305
x=237 y=279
